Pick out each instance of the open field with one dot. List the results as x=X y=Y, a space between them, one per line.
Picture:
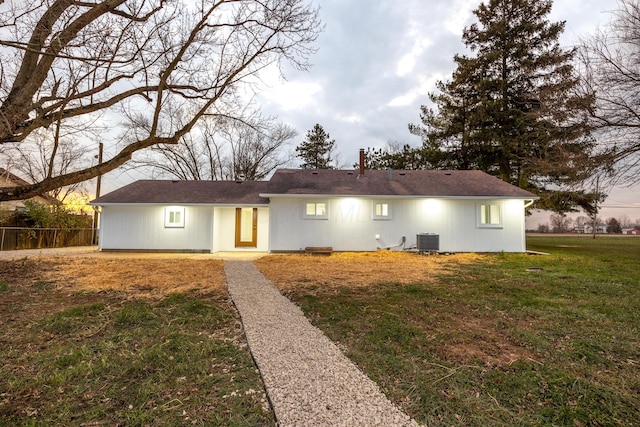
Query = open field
x=504 y=339
x=91 y=342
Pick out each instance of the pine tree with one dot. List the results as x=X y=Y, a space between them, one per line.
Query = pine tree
x=511 y=108
x=315 y=151
x=398 y=157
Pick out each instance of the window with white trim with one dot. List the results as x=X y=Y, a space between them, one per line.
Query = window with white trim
x=490 y=215
x=381 y=210
x=174 y=217
x=316 y=210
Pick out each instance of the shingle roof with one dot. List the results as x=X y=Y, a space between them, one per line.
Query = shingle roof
x=434 y=183
x=188 y=192
x=317 y=182
x=15 y=181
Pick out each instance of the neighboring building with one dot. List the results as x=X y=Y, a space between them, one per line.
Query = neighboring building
x=631 y=232
x=588 y=229
x=346 y=210
x=7 y=179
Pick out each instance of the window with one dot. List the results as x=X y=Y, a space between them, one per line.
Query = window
x=381 y=210
x=174 y=217
x=490 y=216
x=315 y=210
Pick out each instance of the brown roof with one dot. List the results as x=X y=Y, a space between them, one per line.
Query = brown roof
x=188 y=192
x=318 y=182
x=430 y=183
x=13 y=180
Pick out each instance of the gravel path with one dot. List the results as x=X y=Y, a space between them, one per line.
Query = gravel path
x=308 y=380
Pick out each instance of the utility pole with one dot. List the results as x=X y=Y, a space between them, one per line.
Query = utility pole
x=595 y=205
x=98 y=182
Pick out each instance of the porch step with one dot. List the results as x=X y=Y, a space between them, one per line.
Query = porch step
x=318 y=250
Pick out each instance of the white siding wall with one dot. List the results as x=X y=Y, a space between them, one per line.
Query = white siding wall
x=350 y=225
x=142 y=227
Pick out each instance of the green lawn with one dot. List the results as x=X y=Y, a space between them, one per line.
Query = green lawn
x=115 y=359
x=495 y=344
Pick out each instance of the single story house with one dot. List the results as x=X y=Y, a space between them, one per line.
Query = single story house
x=346 y=210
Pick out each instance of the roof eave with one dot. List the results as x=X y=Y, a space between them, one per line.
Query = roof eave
x=396 y=196
x=234 y=204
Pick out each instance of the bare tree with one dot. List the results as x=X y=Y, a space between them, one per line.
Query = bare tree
x=560 y=223
x=224 y=149
x=46 y=153
x=582 y=221
x=543 y=228
x=133 y=62
x=625 y=221
x=258 y=151
x=611 y=73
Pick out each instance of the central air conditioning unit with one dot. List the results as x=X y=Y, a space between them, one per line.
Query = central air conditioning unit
x=428 y=242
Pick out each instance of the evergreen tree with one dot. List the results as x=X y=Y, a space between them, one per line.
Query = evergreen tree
x=315 y=151
x=613 y=226
x=395 y=157
x=511 y=108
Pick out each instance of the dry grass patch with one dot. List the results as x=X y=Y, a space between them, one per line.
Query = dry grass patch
x=141 y=278
x=479 y=339
x=356 y=269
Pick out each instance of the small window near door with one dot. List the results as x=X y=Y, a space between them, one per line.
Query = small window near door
x=381 y=210
x=490 y=216
x=174 y=217
x=316 y=210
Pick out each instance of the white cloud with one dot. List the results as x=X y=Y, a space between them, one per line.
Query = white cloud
x=353 y=118
x=426 y=84
x=403 y=100
x=292 y=95
x=408 y=62
x=460 y=13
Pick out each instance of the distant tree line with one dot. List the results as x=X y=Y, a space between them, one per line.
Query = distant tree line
x=559 y=223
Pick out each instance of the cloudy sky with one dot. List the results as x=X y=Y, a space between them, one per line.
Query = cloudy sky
x=378 y=59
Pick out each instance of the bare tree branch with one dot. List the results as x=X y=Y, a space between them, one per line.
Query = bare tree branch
x=131 y=63
x=610 y=59
x=225 y=148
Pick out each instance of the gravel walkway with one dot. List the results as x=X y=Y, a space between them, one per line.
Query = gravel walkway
x=308 y=380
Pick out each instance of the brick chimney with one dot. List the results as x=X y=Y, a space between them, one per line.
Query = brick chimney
x=362 y=162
